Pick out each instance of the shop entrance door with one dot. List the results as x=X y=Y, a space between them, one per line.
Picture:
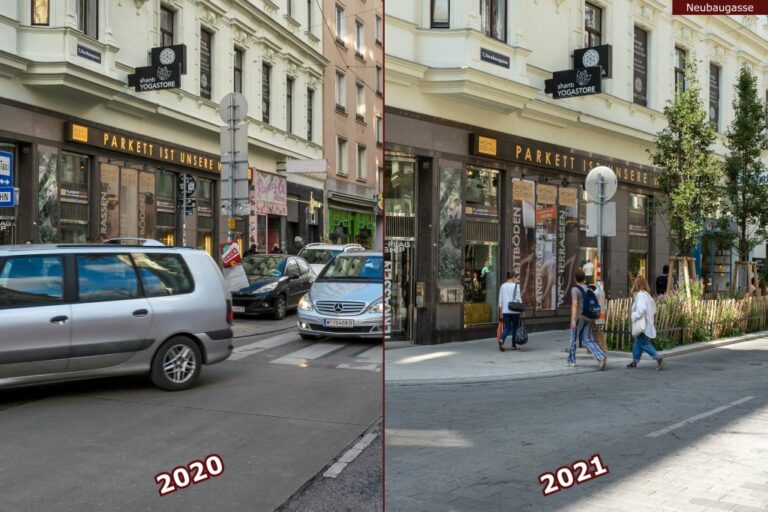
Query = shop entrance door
x=402 y=302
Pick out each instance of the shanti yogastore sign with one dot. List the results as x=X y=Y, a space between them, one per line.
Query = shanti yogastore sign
x=168 y=64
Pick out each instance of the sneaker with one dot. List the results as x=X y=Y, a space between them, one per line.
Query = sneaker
x=632 y=365
x=602 y=363
x=660 y=364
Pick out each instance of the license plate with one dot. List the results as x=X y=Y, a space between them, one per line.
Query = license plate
x=338 y=323
x=238 y=309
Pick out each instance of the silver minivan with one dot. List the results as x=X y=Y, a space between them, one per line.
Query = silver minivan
x=71 y=312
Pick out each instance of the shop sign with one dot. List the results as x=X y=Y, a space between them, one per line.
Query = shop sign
x=139 y=146
x=73 y=194
x=8 y=197
x=269 y=194
x=594 y=56
x=545 y=214
x=88 y=53
x=572 y=83
x=486 y=145
x=560 y=158
x=6 y=169
x=494 y=58
x=568 y=197
x=6 y=225
x=523 y=190
x=547 y=194
x=230 y=254
x=168 y=64
x=637 y=229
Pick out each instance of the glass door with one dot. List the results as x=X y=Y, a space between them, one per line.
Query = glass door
x=402 y=290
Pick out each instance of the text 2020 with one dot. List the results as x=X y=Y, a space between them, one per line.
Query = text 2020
x=578 y=472
x=194 y=472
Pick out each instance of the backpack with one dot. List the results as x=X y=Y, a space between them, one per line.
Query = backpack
x=590 y=306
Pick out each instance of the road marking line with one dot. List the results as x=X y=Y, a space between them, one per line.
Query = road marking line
x=698 y=417
x=374 y=354
x=313 y=351
x=258 y=346
x=371 y=367
x=351 y=454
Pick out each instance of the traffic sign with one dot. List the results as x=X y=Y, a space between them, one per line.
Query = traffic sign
x=608 y=224
x=8 y=196
x=233 y=108
x=6 y=169
x=604 y=176
x=190 y=203
x=234 y=143
x=187 y=183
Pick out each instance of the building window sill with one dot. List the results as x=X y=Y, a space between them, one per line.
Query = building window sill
x=362 y=180
x=341 y=110
x=360 y=119
x=380 y=94
x=359 y=56
x=342 y=174
x=379 y=44
x=340 y=43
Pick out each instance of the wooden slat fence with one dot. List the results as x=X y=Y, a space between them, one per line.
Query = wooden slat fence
x=680 y=322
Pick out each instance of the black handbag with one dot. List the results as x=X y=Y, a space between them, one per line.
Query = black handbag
x=517 y=307
x=521 y=337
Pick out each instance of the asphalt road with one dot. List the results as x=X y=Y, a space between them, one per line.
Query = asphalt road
x=693 y=437
x=277 y=413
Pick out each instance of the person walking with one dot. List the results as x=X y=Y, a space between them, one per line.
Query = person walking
x=509 y=292
x=643 y=311
x=583 y=326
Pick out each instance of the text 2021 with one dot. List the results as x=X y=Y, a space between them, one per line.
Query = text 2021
x=577 y=472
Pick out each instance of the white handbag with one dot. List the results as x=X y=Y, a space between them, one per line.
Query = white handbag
x=638 y=326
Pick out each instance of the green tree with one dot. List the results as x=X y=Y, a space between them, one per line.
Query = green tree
x=690 y=173
x=746 y=193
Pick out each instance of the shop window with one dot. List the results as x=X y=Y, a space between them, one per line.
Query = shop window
x=166 y=228
x=165 y=187
x=47 y=195
x=450 y=217
x=441 y=11
x=87 y=13
x=73 y=192
x=166 y=26
x=205 y=234
x=680 y=56
x=41 y=12
x=399 y=186
x=481 y=192
x=593 y=23
x=205 y=196
x=238 y=71
x=494 y=18
x=638 y=238
x=481 y=283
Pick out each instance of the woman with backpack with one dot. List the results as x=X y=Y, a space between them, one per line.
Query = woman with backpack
x=643 y=330
x=585 y=309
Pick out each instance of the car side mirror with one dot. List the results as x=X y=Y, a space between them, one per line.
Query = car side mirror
x=293 y=276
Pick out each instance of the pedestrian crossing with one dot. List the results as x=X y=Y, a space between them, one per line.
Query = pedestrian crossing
x=289 y=349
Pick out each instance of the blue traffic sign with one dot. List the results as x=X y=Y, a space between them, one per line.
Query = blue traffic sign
x=6 y=169
x=7 y=197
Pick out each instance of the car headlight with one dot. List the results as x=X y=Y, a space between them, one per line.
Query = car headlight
x=266 y=288
x=377 y=307
x=305 y=304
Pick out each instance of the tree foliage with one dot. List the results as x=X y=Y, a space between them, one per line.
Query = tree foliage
x=746 y=190
x=690 y=173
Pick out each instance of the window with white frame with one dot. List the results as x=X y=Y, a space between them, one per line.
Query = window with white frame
x=310 y=113
x=237 y=77
x=341 y=156
x=359 y=37
x=166 y=26
x=440 y=13
x=339 y=23
x=289 y=105
x=379 y=35
x=361 y=163
x=87 y=13
x=360 y=111
x=680 y=56
x=379 y=130
x=266 y=78
x=340 y=91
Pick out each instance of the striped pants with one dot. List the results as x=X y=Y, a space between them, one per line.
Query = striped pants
x=583 y=331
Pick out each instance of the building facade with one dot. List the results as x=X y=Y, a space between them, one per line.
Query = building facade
x=353 y=109
x=95 y=158
x=485 y=170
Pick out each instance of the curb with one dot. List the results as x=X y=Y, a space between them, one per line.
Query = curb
x=695 y=347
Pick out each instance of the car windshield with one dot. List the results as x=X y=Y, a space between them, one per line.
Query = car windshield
x=368 y=268
x=263 y=265
x=319 y=256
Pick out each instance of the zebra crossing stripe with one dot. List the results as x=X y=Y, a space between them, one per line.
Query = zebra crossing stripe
x=256 y=347
x=371 y=367
x=309 y=353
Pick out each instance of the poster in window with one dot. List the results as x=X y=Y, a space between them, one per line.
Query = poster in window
x=147 y=205
x=47 y=195
x=205 y=64
x=449 y=247
x=714 y=94
x=546 y=235
x=640 y=81
x=109 y=201
x=40 y=12
x=129 y=200
x=524 y=237
x=567 y=243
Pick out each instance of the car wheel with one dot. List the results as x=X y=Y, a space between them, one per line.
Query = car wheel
x=307 y=337
x=176 y=364
x=280 y=307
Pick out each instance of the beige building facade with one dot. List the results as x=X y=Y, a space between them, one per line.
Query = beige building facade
x=353 y=109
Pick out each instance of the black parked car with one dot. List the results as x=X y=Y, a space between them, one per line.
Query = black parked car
x=277 y=283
